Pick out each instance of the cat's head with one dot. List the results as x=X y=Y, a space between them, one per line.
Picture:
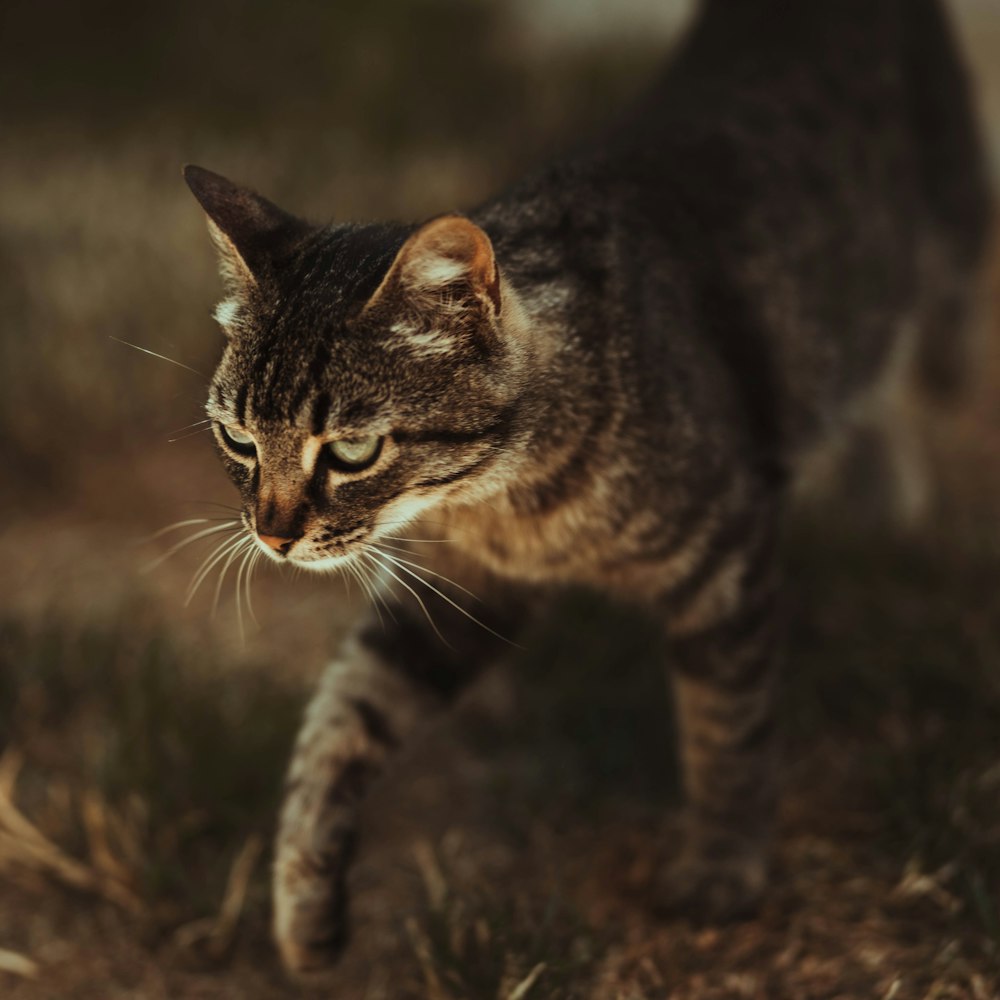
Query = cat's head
x=370 y=373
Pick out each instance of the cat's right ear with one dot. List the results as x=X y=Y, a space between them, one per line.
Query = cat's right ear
x=250 y=232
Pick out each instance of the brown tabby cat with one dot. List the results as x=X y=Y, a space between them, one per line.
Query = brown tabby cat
x=603 y=377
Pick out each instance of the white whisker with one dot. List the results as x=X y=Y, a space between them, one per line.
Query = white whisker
x=353 y=573
x=238 y=597
x=173 y=527
x=190 y=434
x=228 y=526
x=162 y=357
x=215 y=503
x=223 y=573
x=433 y=541
x=187 y=427
x=398 y=560
x=250 y=560
x=416 y=596
x=241 y=591
x=458 y=607
x=371 y=590
x=208 y=564
x=377 y=594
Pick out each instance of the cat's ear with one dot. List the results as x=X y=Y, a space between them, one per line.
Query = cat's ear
x=249 y=231
x=448 y=257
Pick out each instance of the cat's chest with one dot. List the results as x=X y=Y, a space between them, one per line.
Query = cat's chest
x=519 y=548
x=568 y=544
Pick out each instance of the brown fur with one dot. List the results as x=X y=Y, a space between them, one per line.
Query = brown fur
x=605 y=377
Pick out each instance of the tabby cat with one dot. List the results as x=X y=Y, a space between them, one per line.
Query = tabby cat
x=607 y=376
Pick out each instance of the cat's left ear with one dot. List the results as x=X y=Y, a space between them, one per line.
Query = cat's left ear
x=250 y=232
x=448 y=256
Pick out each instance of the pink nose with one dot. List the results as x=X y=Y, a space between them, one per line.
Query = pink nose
x=280 y=544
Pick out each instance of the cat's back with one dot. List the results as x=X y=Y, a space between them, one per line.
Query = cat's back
x=802 y=179
x=817 y=172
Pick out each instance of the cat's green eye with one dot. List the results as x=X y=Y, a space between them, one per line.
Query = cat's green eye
x=238 y=440
x=354 y=454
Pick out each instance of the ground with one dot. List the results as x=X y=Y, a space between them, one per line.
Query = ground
x=142 y=741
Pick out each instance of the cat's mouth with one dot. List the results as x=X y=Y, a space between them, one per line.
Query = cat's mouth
x=319 y=551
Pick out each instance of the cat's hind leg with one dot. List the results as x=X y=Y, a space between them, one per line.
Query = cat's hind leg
x=723 y=634
x=879 y=462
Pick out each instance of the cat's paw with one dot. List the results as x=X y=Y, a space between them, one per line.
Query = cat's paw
x=712 y=884
x=310 y=914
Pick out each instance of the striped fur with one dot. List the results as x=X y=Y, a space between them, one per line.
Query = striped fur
x=605 y=377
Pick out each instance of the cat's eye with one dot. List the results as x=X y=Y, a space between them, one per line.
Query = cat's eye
x=238 y=440
x=354 y=454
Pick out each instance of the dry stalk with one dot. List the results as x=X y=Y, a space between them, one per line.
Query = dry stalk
x=434 y=880
x=422 y=949
x=521 y=990
x=17 y=964
x=96 y=815
x=23 y=844
x=214 y=936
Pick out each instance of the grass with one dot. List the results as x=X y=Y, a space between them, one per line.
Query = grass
x=912 y=659
x=514 y=849
x=477 y=944
x=187 y=759
x=517 y=842
x=511 y=851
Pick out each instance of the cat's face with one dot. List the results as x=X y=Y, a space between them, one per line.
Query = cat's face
x=370 y=374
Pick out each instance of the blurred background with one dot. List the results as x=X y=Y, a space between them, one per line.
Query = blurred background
x=143 y=739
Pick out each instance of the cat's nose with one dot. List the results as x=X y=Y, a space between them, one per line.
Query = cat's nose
x=279 y=543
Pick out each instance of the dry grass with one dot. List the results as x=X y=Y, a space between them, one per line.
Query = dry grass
x=143 y=742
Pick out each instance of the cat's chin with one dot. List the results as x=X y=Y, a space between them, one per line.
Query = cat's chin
x=327 y=564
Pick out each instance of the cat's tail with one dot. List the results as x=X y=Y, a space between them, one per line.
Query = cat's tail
x=953 y=335
x=957 y=197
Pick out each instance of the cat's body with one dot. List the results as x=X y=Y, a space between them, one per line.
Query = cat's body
x=606 y=378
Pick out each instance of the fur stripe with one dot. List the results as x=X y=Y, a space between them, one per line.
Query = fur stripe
x=498 y=428
x=241 y=403
x=376 y=725
x=320 y=413
x=459 y=474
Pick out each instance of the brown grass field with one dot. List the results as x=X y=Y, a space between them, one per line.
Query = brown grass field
x=142 y=741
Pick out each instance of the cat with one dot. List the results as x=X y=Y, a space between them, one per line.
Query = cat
x=607 y=376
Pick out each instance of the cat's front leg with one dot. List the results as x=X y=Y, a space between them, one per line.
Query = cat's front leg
x=390 y=676
x=723 y=649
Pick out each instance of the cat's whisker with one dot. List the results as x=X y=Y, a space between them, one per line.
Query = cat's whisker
x=238 y=599
x=376 y=585
x=195 y=423
x=197 y=536
x=370 y=588
x=208 y=564
x=352 y=574
x=174 y=527
x=216 y=503
x=416 y=596
x=458 y=607
x=404 y=548
x=419 y=521
x=375 y=597
x=396 y=548
x=447 y=579
x=242 y=591
x=250 y=561
x=162 y=357
x=222 y=577
x=217 y=554
x=190 y=434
